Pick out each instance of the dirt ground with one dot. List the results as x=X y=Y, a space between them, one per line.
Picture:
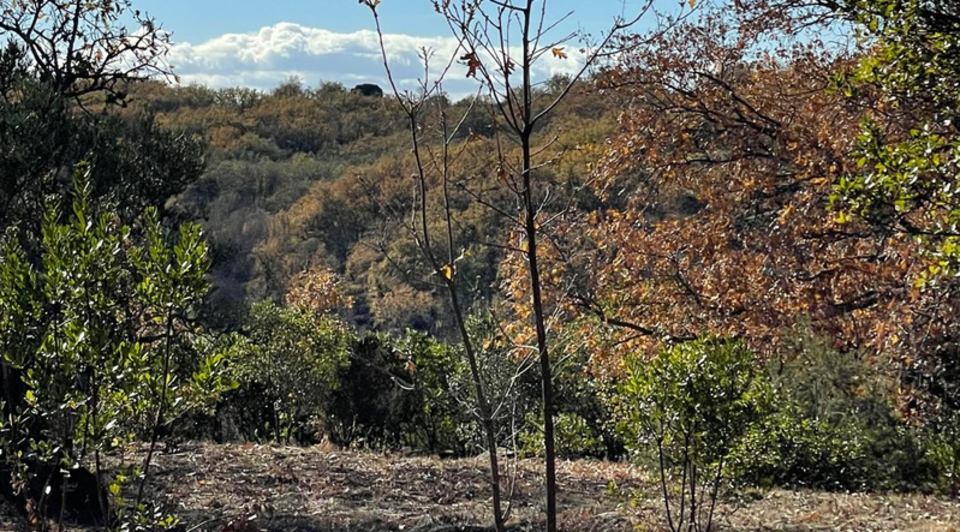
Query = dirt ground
x=264 y=488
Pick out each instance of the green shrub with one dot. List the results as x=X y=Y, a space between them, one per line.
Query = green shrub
x=835 y=428
x=942 y=443
x=788 y=450
x=429 y=416
x=99 y=346
x=574 y=438
x=288 y=370
x=397 y=392
x=691 y=405
x=583 y=424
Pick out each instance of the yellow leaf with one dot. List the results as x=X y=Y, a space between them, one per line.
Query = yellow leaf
x=559 y=53
x=786 y=213
x=447 y=271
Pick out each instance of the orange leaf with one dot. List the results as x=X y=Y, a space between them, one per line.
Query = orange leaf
x=472 y=64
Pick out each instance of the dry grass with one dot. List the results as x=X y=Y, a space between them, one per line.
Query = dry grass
x=322 y=489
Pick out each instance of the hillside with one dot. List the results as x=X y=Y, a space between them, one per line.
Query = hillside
x=709 y=279
x=299 y=176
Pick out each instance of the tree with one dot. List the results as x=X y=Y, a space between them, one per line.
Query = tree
x=440 y=258
x=80 y=47
x=318 y=291
x=63 y=58
x=709 y=212
x=907 y=148
x=715 y=209
x=908 y=163
x=45 y=134
x=505 y=76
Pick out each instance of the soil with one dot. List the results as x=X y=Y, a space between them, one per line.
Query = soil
x=256 y=488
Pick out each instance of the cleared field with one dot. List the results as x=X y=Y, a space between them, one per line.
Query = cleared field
x=265 y=488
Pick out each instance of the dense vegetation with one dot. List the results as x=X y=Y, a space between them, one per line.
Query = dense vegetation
x=739 y=237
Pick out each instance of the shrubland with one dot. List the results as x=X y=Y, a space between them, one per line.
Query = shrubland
x=745 y=270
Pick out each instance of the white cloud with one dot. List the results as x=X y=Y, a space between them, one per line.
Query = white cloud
x=274 y=53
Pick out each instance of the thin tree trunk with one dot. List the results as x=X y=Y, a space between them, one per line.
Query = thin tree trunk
x=489 y=428
x=155 y=435
x=663 y=486
x=530 y=224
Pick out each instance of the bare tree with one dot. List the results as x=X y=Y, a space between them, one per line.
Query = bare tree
x=84 y=46
x=443 y=262
x=487 y=31
x=500 y=42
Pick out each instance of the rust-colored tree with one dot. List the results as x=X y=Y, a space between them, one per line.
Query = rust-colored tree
x=716 y=192
x=318 y=291
x=716 y=213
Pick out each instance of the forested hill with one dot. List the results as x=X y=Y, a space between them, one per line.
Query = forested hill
x=300 y=176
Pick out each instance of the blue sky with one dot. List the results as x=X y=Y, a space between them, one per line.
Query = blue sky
x=199 y=20
x=260 y=43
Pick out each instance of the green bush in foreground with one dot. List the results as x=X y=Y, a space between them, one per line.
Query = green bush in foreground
x=99 y=337
x=692 y=403
x=709 y=419
x=289 y=366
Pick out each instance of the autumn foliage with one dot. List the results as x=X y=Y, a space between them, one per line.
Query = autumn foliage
x=715 y=194
x=318 y=291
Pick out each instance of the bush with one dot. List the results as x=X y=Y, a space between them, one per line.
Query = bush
x=574 y=438
x=789 y=450
x=288 y=369
x=693 y=403
x=943 y=450
x=98 y=346
x=835 y=428
x=397 y=393
x=583 y=422
x=430 y=417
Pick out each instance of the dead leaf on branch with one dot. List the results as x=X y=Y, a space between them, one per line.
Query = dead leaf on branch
x=472 y=64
